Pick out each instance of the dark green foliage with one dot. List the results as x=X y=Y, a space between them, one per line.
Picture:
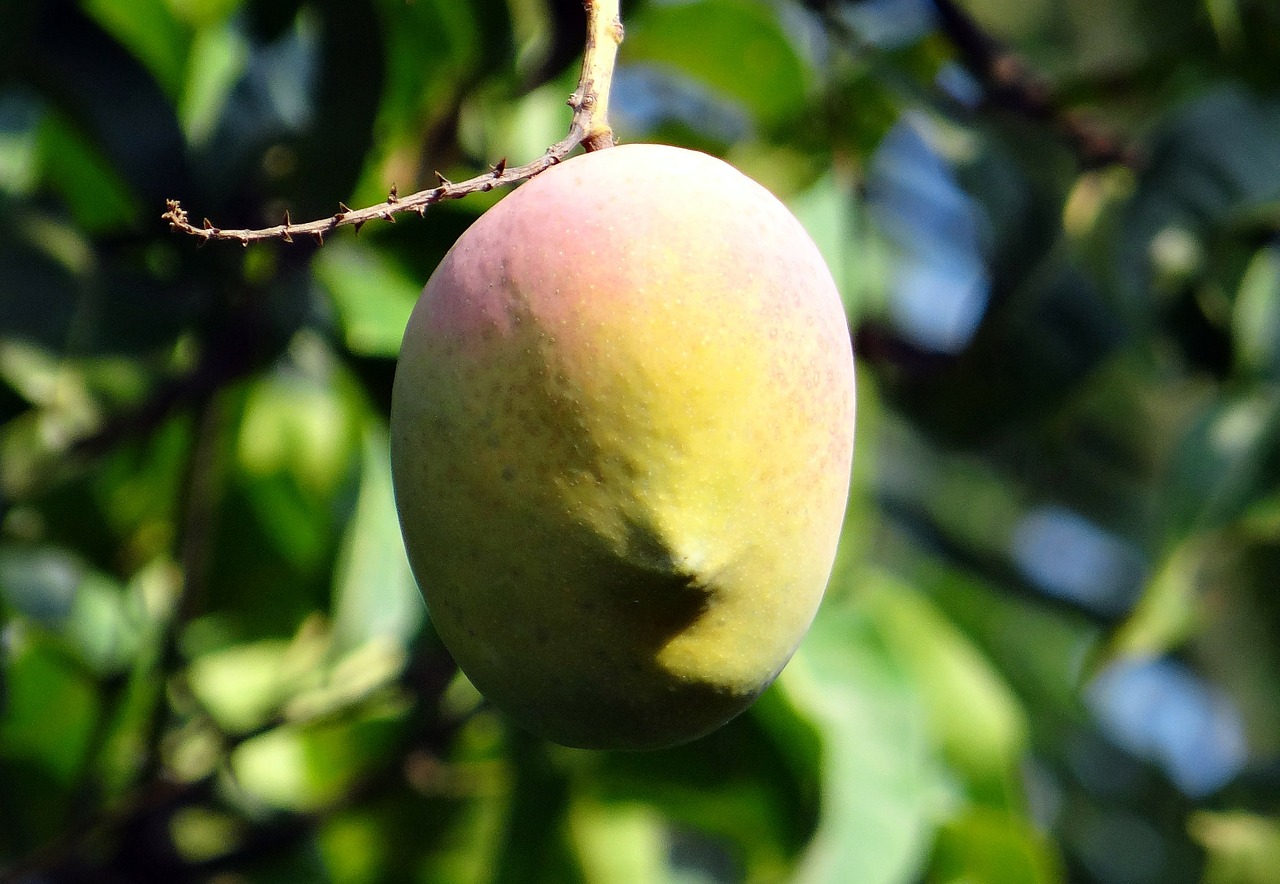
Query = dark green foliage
x=1051 y=646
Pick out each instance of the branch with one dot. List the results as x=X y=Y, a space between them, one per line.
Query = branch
x=589 y=128
x=1010 y=84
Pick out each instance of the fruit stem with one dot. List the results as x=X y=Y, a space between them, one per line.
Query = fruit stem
x=590 y=102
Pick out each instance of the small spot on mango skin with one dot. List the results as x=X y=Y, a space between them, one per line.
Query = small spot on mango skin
x=630 y=383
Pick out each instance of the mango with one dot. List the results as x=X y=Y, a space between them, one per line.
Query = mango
x=621 y=435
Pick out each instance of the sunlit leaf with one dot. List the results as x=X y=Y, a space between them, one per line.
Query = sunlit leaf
x=373 y=296
x=306 y=768
x=1256 y=320
x=881 y=789
x=1243 y=848
x=985 y=846
x=375 y=596
x=20 y=115
x=241 y=685
x=976 y=719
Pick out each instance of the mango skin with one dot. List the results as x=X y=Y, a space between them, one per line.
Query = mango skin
x=621 y=435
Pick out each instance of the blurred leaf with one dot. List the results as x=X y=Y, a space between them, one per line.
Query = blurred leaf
x=1166 y=614
x=535 y=845
x=881 y=791
x=98 y=197
x=434 y=50
x=977 y=721
x=1213 y=162
x=48 y=712
x=1226 y=461
x=740 y=800
x=85 y=608
x=149 y=30
x=373 y=295
x=102 y=628
x=204 y=13
x=200 y=834
x=1242 y=848
x=110 y=97
x=619 y=844
x=40 y=582
x=296 y=446
x=218 y=59
x=305 y=768
x=350 y=57
x=242 y=685
x=750 y=61
x=375 y=596
x=859 y=260
x=1039 y=651
x=989 y=847
x=50 y=707
x=444 y=822
x=1256 y=318
x=20 y=116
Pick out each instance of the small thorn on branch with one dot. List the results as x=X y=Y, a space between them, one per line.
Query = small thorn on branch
x=443 y=181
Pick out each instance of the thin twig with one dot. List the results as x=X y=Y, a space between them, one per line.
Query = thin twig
x=589 y=128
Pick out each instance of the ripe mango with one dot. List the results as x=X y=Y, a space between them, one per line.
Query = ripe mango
x=621 y=433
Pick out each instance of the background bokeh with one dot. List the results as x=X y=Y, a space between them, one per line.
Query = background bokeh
x=1050 y=651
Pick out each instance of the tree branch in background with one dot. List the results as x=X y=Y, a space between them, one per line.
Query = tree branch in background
x=1011 y=85
x=589 y=128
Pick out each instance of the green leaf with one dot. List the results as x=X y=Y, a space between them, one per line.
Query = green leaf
x=987 y=847
x=373 y=295
x=1166 y=614
x=306 y=768
x=881 y=787
x=749 y=61
x=375 y=596
x=1227 y=461
x=1256 y=318
x=93 y=189
x=50 y=708
x=242 y=685
x=296 y=447
x=619 y=845
x=219 y=57
x=1242 y=848
x=20 y=115
x=150 y=31
x=977 y=721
